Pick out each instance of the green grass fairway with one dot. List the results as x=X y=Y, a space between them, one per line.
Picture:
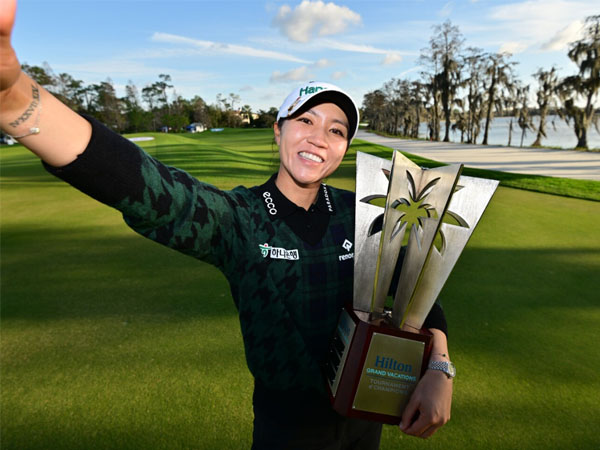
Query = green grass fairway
x=110 y=341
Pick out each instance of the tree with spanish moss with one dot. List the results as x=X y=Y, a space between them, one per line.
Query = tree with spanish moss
x=373 y=109
x=522 y=110
x=417 y=107
x=584 y=86
x=546 y=99
x=393 y=105
x=499 y=82
x=443 y=56
x=433 y=104
x=473 y=103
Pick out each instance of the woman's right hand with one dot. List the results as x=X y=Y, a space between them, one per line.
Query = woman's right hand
x=10 y=69
x=61 y=133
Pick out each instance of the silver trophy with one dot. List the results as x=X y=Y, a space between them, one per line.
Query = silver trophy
x=429 y=215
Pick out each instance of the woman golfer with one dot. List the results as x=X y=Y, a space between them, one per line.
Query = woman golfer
x=278 y=245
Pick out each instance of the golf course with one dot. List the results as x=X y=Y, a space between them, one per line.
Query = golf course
x=111 y=341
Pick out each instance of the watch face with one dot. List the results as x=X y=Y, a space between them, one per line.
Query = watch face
x=451 y=370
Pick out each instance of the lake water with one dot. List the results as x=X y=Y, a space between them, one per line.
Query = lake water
x=558 y=133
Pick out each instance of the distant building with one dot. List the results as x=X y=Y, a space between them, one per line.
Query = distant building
x=195 y=128
x=245 y=117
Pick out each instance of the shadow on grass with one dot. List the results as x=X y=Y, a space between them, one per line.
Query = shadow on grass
x=523 y=331
x=519 y=310
x=68 y=274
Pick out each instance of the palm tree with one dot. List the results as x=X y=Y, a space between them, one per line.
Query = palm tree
x=585 y=85
x=546 y=98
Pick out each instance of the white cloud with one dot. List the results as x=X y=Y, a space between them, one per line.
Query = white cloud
x=446 y=9
x=312 y=18
x=564 y=37
x=357 y=48
x=513 y=47
x=97 y=71
x=530 y=22
x=392 y=58
x=122 y=70
x=338 y=75
x=322 y=63
x=348 y=47
x=318 y=45
x=225 y=48
x=412 y=69
x=298 y=74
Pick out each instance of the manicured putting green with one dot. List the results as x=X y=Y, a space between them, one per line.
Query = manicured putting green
x=111 y=341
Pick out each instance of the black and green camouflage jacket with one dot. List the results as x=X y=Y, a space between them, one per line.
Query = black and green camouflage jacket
x=289 y=292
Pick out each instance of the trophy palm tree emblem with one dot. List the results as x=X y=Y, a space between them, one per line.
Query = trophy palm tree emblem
x=412 y=210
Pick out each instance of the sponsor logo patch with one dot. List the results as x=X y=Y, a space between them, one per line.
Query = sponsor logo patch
x=278 y=253
x=347 y=245
x=326 y=195
x=269 y=203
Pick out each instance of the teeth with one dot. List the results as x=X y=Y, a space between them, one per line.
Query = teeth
x=311 y=156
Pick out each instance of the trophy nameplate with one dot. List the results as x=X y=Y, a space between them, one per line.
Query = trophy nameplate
x=374 y=365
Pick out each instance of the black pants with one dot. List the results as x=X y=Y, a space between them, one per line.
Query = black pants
x=306 y=421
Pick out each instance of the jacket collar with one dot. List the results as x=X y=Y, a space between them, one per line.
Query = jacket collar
x=278 y=205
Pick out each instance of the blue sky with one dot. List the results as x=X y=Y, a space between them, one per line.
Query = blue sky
x=260 y=50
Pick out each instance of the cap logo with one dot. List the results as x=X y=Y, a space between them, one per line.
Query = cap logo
x=310 y=90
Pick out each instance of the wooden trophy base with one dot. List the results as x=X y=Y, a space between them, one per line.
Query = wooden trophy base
x=374 y=367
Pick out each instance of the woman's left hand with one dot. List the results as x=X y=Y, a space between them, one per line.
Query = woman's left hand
x=429 y=406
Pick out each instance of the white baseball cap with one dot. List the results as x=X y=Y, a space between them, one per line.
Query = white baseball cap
x=321 y=92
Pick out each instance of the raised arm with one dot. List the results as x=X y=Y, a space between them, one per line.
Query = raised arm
x=26 y=107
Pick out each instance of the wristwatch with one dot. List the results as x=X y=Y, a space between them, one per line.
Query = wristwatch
x=445 y=366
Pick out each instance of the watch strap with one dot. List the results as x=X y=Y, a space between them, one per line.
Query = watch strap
x=444 y=366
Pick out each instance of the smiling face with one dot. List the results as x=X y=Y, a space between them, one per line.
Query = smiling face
x=311 y=146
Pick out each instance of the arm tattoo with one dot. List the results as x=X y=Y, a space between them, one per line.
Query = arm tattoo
x=35 y=93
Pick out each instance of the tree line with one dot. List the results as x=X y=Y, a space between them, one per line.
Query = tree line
x=464 y=87
x=461 y=89
x=156 y=107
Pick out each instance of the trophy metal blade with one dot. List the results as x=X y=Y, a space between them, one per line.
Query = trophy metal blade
x=393 y=229
x=372 y=183
x=416 y=201
x=466 y=206
x=431 y=189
